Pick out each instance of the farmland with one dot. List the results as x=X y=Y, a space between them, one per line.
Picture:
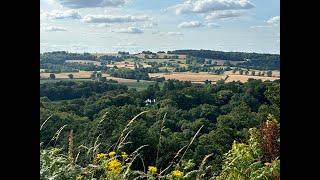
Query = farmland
x=203 y=76
x=196 y=70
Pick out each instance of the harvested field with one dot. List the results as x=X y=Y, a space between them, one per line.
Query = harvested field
x=76 y=75
x=244 y=78
x=195 y=77
x=202 y=76
x=86 y=75
x=274 y=73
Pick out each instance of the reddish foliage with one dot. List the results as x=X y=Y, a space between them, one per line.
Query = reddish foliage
x=270 y=135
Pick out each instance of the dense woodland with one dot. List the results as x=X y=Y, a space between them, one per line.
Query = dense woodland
x=176 y=112
x=254 y=60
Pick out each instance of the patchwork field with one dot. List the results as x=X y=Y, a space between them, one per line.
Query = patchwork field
x=187 y=76
x=86 y=75
x=181 y=76
x=202 y=76
x=126 y=64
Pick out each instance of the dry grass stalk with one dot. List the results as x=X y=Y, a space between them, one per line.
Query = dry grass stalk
x=70 y=147
x=45 y=122
x=121 y=138
x=56 y=136
x=201 y=167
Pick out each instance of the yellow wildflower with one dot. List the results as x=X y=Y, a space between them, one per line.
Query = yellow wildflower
x=152 y=169
x=114 y=166
x=112 y=153
x=177 y=173
x=79 y=178
x=101 y=156
x=124 y=155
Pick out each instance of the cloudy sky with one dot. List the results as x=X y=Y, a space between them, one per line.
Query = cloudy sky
x=136 y=25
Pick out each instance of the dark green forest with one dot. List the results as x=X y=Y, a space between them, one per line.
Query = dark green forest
x=254 y=60
x=225 y=110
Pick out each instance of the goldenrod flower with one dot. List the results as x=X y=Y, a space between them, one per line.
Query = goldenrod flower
x=152 y=169
x=177 y=173
x=114 y=166
x=112 y=153
x=101 y=156
x=124 y=155
x=79 y=178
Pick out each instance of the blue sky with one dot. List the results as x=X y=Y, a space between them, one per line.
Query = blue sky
x=136 y=25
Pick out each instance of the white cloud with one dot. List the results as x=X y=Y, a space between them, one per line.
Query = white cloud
x=259 y=26
x=76 y=4
x=53 y=28
x=204 y=6
x=224 y=15
x=269 y=23
x=175 y=33
x=274 y=20
x=127 y=45
x=190 y=24
x=150 y=25
x=60 y=14
x=130 y=30
x=114 y=19
x=103 y=25
x=215 y=25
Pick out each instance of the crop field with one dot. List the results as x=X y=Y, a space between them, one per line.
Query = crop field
x=202 y=76
x=182 y=61
x=187 y=76
x=127 y=64
x=76 y=75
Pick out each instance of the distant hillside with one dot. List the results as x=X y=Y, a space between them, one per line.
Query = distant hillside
x=231 y=56
x=253 y=60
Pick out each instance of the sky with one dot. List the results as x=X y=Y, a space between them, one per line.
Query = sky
x=99 y=26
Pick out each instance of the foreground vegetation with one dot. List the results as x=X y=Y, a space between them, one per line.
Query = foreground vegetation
x=184 y=130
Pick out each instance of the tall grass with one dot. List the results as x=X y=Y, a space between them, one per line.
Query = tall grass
x=95 y=167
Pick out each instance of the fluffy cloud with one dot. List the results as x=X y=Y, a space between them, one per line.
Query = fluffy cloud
x=114 y=19
x=274 y=20
x=130 y=30
x=174 y=33
x=103 y=25
x=76 y=4
x=224 y=15
x=269 y=23
x=53 y=28
x=150 y=25
x=204 y=6
x=190 y=24
x=213 y=25
x=59 y=14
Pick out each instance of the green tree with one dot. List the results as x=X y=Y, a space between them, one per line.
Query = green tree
x=269 y=73
x=240 y=71
x=52 y=76
x=93 y=76
x=70 y=76
x=234 y=70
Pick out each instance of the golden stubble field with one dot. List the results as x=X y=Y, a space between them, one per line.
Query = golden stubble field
x=203 y=76
x=181 y=76
x=84 y=75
